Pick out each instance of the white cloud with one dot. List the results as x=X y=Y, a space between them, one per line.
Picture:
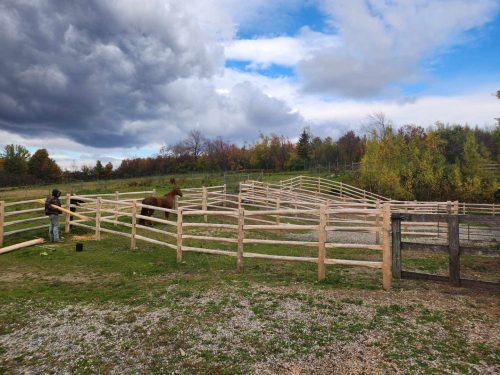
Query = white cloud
x=283 y=50
x=386 y=42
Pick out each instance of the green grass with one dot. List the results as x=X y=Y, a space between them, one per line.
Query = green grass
x=146 y=309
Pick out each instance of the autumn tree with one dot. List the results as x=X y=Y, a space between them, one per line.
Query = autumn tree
x=43 y=167
x=15 y=159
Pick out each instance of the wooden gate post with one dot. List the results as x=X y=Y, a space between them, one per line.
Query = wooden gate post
x=396 y=245
x=67 y=216
x=204 y=202
x=386 y=247
x=241 y=236
x=179 y=234
x=454 y=249
x=98 y=219
x=2 y=220
x=322 y=243
x=133 y=244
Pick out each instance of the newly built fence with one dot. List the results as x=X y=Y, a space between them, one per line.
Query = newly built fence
x=298 y=220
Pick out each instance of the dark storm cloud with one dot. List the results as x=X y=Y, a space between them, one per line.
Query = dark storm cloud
x=89 y=69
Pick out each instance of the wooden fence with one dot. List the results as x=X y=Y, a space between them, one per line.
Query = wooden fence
x=453 y=247
x=28 y=214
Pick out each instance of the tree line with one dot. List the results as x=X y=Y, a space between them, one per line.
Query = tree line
x=410 y=162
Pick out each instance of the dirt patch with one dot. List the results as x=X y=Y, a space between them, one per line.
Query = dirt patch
x=11 y=276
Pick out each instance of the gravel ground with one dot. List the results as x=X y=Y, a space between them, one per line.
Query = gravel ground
x=263 y=330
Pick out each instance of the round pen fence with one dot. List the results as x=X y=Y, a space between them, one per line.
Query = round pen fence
x=298 y=220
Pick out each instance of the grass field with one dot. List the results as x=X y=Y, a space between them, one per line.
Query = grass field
x=110 y=309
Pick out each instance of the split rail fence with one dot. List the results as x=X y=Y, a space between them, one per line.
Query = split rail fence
x=211 y=221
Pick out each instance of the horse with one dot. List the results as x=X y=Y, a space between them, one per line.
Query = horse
x=167 y=201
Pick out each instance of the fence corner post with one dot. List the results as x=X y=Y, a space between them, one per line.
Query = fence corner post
x=454 y=249
x=241 y=236
x=322 y=243
x=67 y=217
x=386 y=247
x=396 y=245
x=133 y=244
x=179 y=234
x=2 y=220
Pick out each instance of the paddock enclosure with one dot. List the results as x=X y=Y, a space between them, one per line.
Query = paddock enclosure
x=302 y=219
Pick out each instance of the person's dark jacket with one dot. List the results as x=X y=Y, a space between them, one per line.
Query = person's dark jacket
x=53 y=200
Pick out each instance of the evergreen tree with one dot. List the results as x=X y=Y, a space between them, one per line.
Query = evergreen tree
x=304 y=145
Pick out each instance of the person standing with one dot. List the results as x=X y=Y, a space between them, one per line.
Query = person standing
x=53 y=214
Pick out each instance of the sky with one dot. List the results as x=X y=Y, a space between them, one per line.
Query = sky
x=114 y=79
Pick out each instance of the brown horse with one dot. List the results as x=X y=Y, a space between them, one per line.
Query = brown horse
x=167 y=201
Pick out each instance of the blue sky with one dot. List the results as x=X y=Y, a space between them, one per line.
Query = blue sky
x=109 y=80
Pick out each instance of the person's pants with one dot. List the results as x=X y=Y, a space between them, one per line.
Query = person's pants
x=54 y=228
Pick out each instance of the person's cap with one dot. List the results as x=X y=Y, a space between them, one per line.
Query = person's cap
x=56 y=193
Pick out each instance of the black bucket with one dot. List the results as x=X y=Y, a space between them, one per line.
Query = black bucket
x=79 y=247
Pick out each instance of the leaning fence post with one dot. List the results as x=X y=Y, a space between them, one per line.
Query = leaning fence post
x=241 y=236
x=134 y=226
x=386 y=247
x=2 y=215
x=67 y=216
x=322 y=242
x=179 y=234
x=204 y=203
x=98 y=219
x=396 y=245
x=454 y=249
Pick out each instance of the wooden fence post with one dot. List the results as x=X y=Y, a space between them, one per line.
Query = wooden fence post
x=176 y=202
x=179 y=234
x=133 y=244
x=278 y=203
x=224 y=191
x=396 y=245
x=386 y=247
x=454 y=249
x=117 y=198
x=322 y=242
x=204 y=202
x=98 y=219
x=2 y=220
x=241 y=236
x=67 y=216
x=340 y=189
x=377 y=222
x=239 y=201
